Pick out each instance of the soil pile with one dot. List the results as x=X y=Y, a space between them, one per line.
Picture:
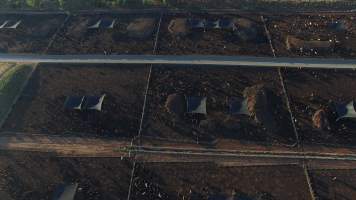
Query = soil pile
x=178 y=26
x=320 y=120
x=175 y=104
x=141 y=27
x=260 y=105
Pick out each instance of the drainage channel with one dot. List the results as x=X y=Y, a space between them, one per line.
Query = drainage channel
x=143 y=109
x=303 y=156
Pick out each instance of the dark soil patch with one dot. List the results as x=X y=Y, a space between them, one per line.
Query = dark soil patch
x=338 y=30
x=132 y=34
x=218 y=85
x=40 y=109
x=33 y=176
x=214 y=41
x=207 y=181
x=334 y=184
x=32 y=35
x=311 y=90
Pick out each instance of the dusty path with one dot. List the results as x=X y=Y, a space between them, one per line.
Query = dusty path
x=247 y=61
x=109 y=147
x=63 y=145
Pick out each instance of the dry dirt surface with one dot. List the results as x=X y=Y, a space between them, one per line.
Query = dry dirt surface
x=32 y=35
x=334 y=184
x=40 y=108
x=208 y=181
x=315 y=35
x=33 y=176
x=131 y=34
x=311 y=90
x=218 y=85
x=248 y=39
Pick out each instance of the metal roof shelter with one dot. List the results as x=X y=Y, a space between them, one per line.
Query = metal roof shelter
x=4 y=24
x=346 y=111
x=94 y=102
x=103 y=23
x=213 y=24
x=65 y=192
x=10 y=24
x=238 y=106
x=227 y=24
x=74 y=102
x=106 y=23
x=197 y=23
x=196 y=105
x=96 y=25
x=14 y=25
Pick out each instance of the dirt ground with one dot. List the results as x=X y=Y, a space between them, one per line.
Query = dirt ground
x=32 y=35
x=217 y=84
x=212 y=181
x=40 y=108
x=248 y=39
x=334 y=184
x=4 y=67
x=332 y=35
x=310 y=90
x=264 y=6
x=34 y=176
x=76 y=38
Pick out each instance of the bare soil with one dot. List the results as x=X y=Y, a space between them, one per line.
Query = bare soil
x=40 y=108
x=213 y=41
x=34 y=176
x=314 y=35
x=125 y=38
x=213 y=181
x=32 y=35
x=334 y=184
x=311 y=90
x=217 y=84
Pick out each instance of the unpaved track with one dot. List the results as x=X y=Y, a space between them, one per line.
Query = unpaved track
x=104 y=147
x=63 y=145
x=247 y=61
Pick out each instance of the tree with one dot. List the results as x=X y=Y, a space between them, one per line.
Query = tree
x=33 y=3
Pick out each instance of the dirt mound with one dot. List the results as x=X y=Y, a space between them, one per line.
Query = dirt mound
x=296 y=43
x=246 y=30
x=178 y=26
x=175 y=104
x=320 y=120
x=79 y=29
x=244 y=23
x=141 y=27
x=260 y=105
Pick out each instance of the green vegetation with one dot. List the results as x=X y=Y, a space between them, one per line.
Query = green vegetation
x=75 y=4
x=11 y=83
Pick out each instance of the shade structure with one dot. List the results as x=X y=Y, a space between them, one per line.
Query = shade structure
x=13 y=24
x=197 y=23
x=346 y=111
x=108 y=23
x=196 y=105
x=4 y=24
x=213 y=24
x=227 y=24
x=96 y=25
x=74 y=102
x=65 y=192
x=93 y=102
